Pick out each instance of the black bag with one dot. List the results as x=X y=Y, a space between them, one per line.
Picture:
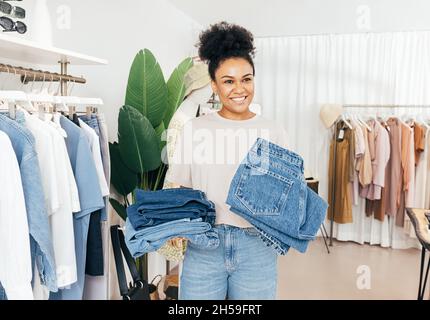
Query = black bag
x=138 y=289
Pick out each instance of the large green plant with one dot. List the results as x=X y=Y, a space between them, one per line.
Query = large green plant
x=150 y=102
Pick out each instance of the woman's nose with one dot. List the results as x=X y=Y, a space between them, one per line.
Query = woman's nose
x=239 y=88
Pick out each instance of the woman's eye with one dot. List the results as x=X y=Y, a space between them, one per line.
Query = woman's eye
x=228 y=81
x=247 y=79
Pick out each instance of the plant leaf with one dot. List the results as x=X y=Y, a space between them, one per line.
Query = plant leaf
x=138 y=141
x=146 y=89
x=159 y=131
x=176 y=89
x=123 y=179
x=119 y=208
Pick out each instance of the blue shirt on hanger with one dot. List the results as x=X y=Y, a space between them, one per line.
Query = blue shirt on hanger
x=90 y=197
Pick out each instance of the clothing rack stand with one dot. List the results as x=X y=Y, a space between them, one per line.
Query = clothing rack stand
x=386 y=106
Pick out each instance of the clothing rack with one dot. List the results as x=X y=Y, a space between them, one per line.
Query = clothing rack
x=387 y=106
x=31 y=75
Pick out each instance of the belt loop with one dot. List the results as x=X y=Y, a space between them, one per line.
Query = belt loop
x=257 y=145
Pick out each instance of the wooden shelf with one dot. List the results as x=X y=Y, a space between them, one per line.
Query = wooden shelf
x=29 y=51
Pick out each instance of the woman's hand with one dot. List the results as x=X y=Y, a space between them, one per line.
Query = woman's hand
x=177 y=243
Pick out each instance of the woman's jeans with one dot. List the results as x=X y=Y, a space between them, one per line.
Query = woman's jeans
x=242 y=267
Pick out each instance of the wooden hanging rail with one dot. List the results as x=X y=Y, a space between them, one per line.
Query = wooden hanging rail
x=29 y=75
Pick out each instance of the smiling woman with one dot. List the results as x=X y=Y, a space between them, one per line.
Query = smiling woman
x=207 y=155
x=234 y=85
x=229 y=50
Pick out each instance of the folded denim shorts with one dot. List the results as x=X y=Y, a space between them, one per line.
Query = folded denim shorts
x=269 y=191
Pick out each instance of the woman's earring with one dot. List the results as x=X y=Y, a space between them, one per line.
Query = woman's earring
x=214 y=101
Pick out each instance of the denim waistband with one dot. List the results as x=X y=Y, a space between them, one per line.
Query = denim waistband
x=167 y=198
x=226 y=227
x=264 y=147
x=268 y=158
x=173 y=192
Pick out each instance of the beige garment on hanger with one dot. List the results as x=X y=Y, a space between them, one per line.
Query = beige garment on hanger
x=364 y=164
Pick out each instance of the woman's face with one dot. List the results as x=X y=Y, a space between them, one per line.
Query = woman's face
x=234 y=84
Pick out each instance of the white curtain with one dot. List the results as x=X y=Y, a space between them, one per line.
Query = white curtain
x=296 y=75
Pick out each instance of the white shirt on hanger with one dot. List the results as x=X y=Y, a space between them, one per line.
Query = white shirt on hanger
x=45 y=155
x=94 y=141
x=15 y=266
x=62 y=220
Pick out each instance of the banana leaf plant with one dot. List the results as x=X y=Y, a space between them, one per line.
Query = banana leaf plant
x=150 y=103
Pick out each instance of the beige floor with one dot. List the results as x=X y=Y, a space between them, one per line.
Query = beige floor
x=394 y=274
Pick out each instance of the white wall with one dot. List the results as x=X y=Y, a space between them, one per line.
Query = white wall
x=290 y=17
x=116 y=31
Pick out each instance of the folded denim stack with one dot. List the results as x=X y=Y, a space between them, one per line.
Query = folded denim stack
x=269 y=191
x=158 y=216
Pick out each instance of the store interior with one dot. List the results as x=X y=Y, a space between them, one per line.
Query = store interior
x=369 y=57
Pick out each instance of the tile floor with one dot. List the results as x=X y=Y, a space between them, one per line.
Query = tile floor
x=350 y=271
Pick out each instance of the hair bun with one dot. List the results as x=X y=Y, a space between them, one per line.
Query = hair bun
x=225 y=40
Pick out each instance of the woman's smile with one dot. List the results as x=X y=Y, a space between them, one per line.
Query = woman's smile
x=239 y=100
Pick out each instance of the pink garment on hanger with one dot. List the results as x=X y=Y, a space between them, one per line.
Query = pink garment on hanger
x=379 y=145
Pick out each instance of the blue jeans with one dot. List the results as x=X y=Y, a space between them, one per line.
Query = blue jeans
x=241 y=268
x=156 y=207
x=269 y=190
x=153 y=238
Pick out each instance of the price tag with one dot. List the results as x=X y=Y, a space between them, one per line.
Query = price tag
x=341 y=134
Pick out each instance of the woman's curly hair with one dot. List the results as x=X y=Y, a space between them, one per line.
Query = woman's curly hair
x=223 y=41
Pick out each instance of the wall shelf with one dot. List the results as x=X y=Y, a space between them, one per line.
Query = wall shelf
x=31 y=52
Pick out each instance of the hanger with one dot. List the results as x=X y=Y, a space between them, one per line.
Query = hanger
x=66 y=103
x=40 y=99
x=422 y=121
x=10 y=98
x=72 y=111
x=346 y=122
x=355 y=118
x=375 y=116
x=402 y=119
x=59 y=103
x=89 y=111
x=91 y=104
x=364 y=123
x=72 y=108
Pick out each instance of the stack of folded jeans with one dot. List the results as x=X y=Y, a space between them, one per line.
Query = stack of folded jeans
x=158 y=216
x=269 y=191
